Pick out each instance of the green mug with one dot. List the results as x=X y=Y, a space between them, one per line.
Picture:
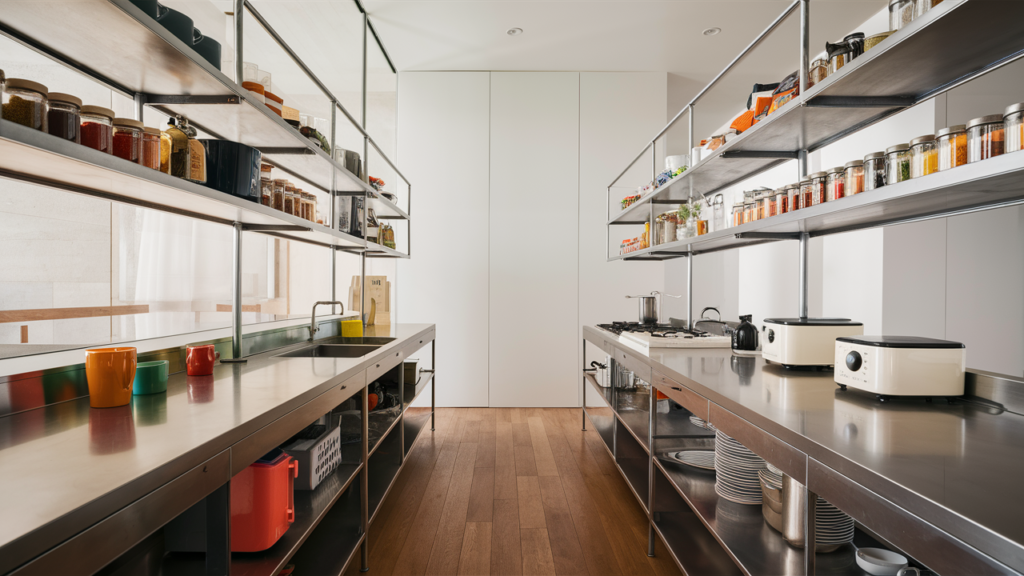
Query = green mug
x=151 y=377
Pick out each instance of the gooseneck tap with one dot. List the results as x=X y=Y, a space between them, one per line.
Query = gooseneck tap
x=312 y=323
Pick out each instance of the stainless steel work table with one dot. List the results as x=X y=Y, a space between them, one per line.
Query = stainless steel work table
x=918 y=469
x=65 y=467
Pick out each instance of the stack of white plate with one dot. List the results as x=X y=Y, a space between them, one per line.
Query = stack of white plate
x=703 y=459
x=831 y=525
x=736 y=470
x=701 y=423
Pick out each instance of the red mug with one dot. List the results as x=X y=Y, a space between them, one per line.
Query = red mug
x=199 y=360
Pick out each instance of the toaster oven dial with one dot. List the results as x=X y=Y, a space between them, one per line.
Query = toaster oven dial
x=853 y=361
x=771 y=335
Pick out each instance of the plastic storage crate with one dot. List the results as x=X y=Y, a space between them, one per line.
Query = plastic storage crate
x=317 y=457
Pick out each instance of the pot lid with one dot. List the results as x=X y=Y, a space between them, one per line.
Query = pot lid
x=900 y=342
x=812 y=321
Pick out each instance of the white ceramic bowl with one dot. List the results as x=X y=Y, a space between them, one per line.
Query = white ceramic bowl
x=880 y=562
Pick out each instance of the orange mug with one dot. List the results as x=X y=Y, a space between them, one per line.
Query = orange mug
x=199 y=360
x=110 y=373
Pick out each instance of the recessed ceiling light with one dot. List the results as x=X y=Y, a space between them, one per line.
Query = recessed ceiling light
x=514 y=31
x=711 y=31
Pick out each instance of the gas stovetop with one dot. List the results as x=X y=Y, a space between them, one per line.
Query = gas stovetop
x=665 y=336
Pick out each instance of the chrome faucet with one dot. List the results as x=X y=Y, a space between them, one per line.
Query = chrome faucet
x=312 y=323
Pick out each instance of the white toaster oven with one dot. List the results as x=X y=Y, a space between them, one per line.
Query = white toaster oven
x=901 y=365
x=804 y=341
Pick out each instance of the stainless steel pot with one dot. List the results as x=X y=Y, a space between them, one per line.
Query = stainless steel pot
x=664 y=231
x=648 y=308
x=794 y=503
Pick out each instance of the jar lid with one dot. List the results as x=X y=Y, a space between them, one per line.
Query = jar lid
x=874 y=156
x=98 y=111
x=130 y=123
x=793 y=185
x=816 y=175
x=897 y=148
x=854 y=164
x=23 y=84
x=154 y=131
x=990 y=119
x=922 y=139
x=65 y=98
x=854 y=36
x=951 y=130
x=894 y=2
x=1018 y=107
x=836 y=170
x=807 y=182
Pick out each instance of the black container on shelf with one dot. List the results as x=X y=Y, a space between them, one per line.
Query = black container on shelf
x=233 y=168
x=150 y=7
x=206 y=47
x=176 y=23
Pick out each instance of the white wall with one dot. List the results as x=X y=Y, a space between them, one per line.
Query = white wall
x=509 y=285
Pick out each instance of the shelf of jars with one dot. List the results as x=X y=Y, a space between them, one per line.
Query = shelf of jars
x=950 y=44
x=986 y=184
x=384 y=208
x=30 y=155
x=118 y=43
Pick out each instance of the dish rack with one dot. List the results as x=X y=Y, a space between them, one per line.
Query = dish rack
x=318 y=451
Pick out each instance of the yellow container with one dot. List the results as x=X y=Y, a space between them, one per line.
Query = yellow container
x=352 y=328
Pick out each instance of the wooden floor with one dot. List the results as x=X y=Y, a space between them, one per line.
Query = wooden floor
x=511 y=491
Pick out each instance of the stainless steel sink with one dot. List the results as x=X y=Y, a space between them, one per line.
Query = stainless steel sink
x=332 y=351
x=359 y=340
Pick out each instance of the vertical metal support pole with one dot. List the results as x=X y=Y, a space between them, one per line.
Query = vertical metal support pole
x=805 y=43
x=801 y=163
x=401 y=416
x=237 y=18
x=607 y=217
x=140 y=106
x=654 y=162
x=366 y=141
x=650 y=470
x=236 y=296
x=218 y=531
x=805 y=240
x=689 y=119
x=332 y=223
x=689 y=290
x=364 y=483
x=810 y=538
x=584 y=410
x=433 y=378
x=362 y=279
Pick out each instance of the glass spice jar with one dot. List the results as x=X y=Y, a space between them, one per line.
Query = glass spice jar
x=97 y=130
x=737 y=214
x=818 y=72
x=749 y=209
x=985 y=137
x=761 y=206
x=793 y=197
x=853 y=175
x=251 y=81
x=806 y=193
x=179 y=161
x=897 y=160
x=279 y=192
x=835 y=184
x=951 y=143
x=924 y=156
x=901 y=13
x=770 y=206
x=1013 y=121
x=25 y=103
x=819 y=194
x=922 y=6
x=311 y=198
x=266 y=191
x=781 y=202
x=128 y=139
x=289 y=200
x=151 y=147
x=874 y=171
x=64 y=117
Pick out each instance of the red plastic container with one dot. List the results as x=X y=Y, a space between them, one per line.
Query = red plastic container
x=263 y=502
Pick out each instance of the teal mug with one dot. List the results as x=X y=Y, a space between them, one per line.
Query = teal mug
x=151 y=377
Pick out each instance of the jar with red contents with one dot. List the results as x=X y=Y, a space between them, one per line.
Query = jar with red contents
x=793 y=197
x=818 y=192
x=128 y=139
x=98 y=128
x=151 y=148
x=806 y=193
x=771 y=205
x=835 y=184
x=781 y=202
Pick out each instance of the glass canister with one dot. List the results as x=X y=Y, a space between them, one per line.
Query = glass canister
x=985 y=137
x=952 y=146
x=874 y=171
x=818 y=72
x=266 y=191
x=793 y=197
x=128 y=139
x=853 y=174
x=279 y=192
x=251 y=81
x=924 y=156
x=781 y=202
x=835 y=183
x=97 y=131
x=819 y=194
x=25 y=103
x=760 y=206
x=749 y=208
x=897 y=160
x=289 y=199
x=737 y=214
x=310 y=206
x=806 y=193
x=901 y=13
x=178 y=159
x=771 y=206
x=64 y=118
x=1013 y=120
x=151 y=147
x=839 y=55
x=922 y=6
x=718 y=212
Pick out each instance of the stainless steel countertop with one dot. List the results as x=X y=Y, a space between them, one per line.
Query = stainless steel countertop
x=64 y=458
x=957 y=466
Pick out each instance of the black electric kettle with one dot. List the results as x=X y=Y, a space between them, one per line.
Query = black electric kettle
x=744 y=338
